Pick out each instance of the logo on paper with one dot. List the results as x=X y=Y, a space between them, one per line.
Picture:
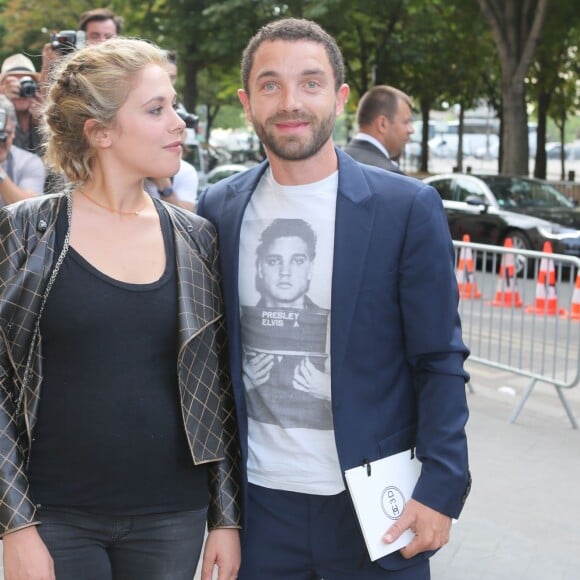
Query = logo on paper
x=393 y=502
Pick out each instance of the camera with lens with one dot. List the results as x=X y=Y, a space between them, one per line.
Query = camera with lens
x=67 y=41
x=28 y=87
x=191 y=120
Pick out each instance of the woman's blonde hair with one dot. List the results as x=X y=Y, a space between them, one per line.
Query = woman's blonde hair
x=92 y=83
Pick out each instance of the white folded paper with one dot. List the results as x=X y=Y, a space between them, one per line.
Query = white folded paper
x=379 y=492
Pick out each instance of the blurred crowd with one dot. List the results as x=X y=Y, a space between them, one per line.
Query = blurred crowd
x=22 y=93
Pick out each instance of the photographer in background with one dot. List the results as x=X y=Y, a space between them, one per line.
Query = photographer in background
x=95 y=26
x=19 y=82
x=21 y=172
x=99 y=25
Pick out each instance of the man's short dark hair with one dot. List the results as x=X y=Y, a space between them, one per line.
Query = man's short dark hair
x=380 y=100
x=100 y=15
x=293 y=30
x=287 y=228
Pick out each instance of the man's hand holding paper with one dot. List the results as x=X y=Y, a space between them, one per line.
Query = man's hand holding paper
x=431 y=529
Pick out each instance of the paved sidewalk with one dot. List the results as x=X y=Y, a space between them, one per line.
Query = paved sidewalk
x=522 y=519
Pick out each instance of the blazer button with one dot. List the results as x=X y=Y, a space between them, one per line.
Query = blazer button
x=42 y=226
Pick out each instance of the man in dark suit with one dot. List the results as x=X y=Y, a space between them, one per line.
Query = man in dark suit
x=384 y=118
x=390 y=370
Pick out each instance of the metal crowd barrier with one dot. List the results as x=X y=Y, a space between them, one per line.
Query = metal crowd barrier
x=520 y=311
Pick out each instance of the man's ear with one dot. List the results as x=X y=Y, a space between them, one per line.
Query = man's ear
x=96 y=134
x=382 y=124
x=341 y=98
x=245 y=100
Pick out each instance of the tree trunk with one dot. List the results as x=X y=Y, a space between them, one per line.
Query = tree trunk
x=516 y=27
x=212 y=112
x=459 y=160
x=515 y=155
x=540 y=165
x=191 y=90
x=562 y=149
x=501 y=144
x=425 y=109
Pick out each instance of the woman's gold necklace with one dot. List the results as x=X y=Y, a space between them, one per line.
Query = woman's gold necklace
x=110 y=209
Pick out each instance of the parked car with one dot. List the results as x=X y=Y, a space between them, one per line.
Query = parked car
x=491 y=208
x=573 y=150
x=222 y=171
x=554 y=150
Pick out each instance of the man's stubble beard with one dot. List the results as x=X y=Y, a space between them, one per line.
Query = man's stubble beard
x=295 y=148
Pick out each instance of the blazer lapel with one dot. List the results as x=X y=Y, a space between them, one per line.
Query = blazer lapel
x=354 y=224
x=230 y=223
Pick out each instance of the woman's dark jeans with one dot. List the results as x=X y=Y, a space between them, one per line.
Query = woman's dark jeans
x=146 y=547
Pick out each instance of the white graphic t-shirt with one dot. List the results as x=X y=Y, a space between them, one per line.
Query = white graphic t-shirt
x=285 y=280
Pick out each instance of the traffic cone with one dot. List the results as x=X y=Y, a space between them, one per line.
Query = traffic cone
x=575 y=306
x=546 y=300
x=507 y=294
x=465 y=273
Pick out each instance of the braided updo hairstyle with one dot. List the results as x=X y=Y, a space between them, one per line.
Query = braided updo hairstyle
x=91 y=83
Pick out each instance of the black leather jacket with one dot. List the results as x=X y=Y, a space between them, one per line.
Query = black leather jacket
x=28 y=267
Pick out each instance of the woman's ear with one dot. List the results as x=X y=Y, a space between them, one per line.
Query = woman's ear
x=96 y=134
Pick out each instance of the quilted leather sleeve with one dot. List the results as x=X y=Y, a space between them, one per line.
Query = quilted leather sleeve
x=224 y=476
x=16 y=508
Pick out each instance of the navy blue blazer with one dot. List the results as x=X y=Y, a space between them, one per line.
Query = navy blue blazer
x=366 y=152
x=396 y=348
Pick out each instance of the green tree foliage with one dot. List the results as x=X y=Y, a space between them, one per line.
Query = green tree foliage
x=435 y=50
x=28 y=23
x=445 y=52
x=27 y=26
x=554 y=74
x=565 y=102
